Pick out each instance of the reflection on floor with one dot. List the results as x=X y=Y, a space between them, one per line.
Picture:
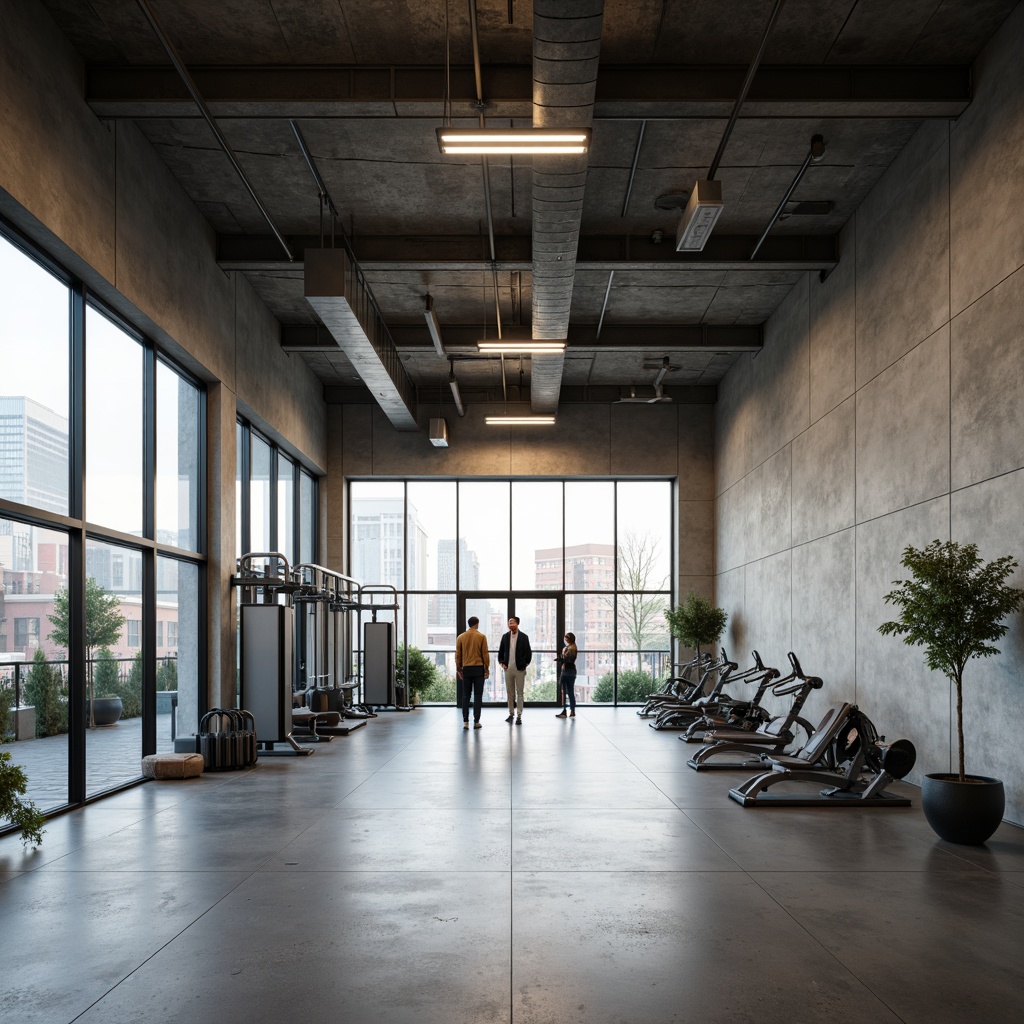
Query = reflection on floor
x=558 y=871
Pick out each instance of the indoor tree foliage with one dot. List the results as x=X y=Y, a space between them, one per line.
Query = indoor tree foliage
x=422 y=671
x=697 y=622
x=23 y=813
x=954 y=606
x=103 y=622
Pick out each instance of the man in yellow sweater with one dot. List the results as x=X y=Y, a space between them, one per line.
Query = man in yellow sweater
x=473 y=664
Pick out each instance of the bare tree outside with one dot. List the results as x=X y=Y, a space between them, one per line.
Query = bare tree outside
x=642 y=614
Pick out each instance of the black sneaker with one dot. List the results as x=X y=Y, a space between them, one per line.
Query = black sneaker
x=519 y=721
x=509 y=719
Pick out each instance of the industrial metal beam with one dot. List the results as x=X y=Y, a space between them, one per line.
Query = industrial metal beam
x=260 y=254
x=647 y=93
x=461 y=339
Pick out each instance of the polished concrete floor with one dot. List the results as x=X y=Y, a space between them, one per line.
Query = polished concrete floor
x=561 y=871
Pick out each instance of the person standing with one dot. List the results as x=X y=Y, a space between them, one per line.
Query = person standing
x=567 y=659
x=514 y=655
x=473 y=665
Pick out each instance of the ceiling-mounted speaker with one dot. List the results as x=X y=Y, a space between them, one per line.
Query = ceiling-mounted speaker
x=439 y=433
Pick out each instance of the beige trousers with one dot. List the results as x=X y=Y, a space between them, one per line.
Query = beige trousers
x=515 y=681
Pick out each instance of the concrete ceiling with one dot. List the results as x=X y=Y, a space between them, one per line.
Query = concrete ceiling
x=364 y=82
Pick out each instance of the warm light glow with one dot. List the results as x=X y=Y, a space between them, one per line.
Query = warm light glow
x=514 y=348
x=483 y=141
x=519 y=421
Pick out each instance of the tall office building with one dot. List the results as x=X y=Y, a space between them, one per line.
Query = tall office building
x=443 y=610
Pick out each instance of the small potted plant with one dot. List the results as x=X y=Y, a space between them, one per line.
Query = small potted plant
x=954 y=605
x=22 y=813
x=696 y=623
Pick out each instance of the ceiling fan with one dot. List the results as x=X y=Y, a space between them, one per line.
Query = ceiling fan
x=659 y=388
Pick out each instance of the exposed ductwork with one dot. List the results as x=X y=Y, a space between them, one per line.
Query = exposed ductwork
x=566 y=50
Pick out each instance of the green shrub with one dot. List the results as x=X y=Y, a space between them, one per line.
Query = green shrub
x=166 y=674
x=6 y=704
x=422 y=671
x=443 y=690
x=634 y=686
x=108 y=683
x=45 y=691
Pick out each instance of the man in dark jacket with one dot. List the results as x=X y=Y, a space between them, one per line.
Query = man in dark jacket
x=514 y=655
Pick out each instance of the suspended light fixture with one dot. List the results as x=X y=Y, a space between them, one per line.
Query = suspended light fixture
x=526 y=346
x=526 y=141
x=519 y=421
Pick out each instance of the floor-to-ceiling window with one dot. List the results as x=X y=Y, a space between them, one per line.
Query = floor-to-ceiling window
x=102 y=540
x=591 y=557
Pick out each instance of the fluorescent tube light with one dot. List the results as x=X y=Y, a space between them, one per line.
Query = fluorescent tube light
x=526 y=346
x=702 y=211
x=494 y=141
x=519 y=421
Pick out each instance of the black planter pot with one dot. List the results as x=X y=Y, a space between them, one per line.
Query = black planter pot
x=962 y=812
x=106 y=711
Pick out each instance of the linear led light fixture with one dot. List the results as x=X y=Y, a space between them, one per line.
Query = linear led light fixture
x=527 y=141
x=433 y=325
x=703 y=209
x=519 y=421
x=525 y=346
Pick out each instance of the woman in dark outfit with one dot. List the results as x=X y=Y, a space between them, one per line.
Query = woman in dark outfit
x=567 y=660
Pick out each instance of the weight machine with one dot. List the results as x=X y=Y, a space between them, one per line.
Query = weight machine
x=295 y=650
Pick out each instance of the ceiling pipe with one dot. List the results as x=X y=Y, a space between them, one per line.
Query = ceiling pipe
x=604 y=305
x=478 y=75
x=744 y=89
x=186 y=78
x=632 y=170
x=814 y=156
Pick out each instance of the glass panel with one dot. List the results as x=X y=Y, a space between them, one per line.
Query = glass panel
x=643 y=642
x=241 y=543
x=113 y=683
x=286 y=507
x=484 y=536
x=536 y=535
x=644 y=530
x=430 y=540
x=589 y=535
x=113 y=429
x=539 y=621
x=307 y=518
x=493 y=615
x=34 y=339
x=177 y=667
x=177 y=460
x=259 y=495
x=33 y=659
x=377 y=518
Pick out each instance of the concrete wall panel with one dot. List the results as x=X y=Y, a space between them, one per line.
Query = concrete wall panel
x=823 y=475
x=824 y=635
x=832 y=330
x=781 y=377
x=696 y=451
x=989 y=515
x=697 y=538
x=768 y=608
x=733 y=533
x=729 y=590
x=903 y=431
x=894 y=686
x=769 y=497
x=987 y=378
x=987 y=171
x=733 y=425
x=902 y=268
x=56 y=158
x=644 y=438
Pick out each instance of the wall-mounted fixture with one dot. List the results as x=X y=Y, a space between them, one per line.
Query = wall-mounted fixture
x=525 y=346
x=526 y=141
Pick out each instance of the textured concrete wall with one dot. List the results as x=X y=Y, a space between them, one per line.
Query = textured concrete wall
x=887 y=409
x=99 y=200
x=588 y=440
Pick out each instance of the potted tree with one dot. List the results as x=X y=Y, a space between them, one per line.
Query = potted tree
x=103 y=622
x=422 y=672
x=954 y=605
x=696 y=623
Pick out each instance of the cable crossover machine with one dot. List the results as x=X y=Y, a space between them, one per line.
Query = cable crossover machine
x=296 y=671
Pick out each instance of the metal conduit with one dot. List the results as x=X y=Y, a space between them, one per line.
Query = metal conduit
x=186 y=78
